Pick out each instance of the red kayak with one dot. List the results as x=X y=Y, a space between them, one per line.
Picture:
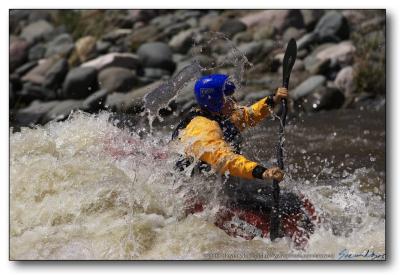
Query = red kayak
x=249 y=224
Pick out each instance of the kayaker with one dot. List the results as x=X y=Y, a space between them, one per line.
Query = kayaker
x=211 y=137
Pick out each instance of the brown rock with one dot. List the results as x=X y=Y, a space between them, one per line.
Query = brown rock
x=85 y=47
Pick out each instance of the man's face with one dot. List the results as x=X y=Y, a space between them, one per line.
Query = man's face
x=228 y=107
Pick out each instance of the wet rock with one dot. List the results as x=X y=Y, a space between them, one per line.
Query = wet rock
x=79 y=83
x=232 y=27
x=323 y=98
x=116 y=79
x=131 y=102
x=55 y=76
x=308 y=86
x=18 y=52
x=279 y=19
x=37 y=51
x=33 y=113
x=102 y=46
x=62 y=45
x=332 y=27
x=37 y=30
x=292 y=32
x=252 y=49
x=156 y=55
x=345 y=81
x=155 y=74
x=114 y=35
x=85 y=48
x=95 y=101
x=341 y=54
x=306 y=40
x=25 y=68
x=264 y=32
x=182 y=42
x=62 y=110
x=242 y=37
x=32 y=92
x=311 y=18
x=146 y=34
x=315 y=65
x=255 y=96
x=37 y=74
x=124 y=60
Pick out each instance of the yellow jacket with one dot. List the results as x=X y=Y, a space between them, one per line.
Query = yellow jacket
x=203 y=139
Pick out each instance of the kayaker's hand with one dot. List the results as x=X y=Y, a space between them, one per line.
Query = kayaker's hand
x=280 y=93
x=273 y=173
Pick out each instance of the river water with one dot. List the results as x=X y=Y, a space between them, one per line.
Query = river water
x=86 y=189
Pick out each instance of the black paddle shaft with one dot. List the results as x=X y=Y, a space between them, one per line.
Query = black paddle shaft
x=288 y=62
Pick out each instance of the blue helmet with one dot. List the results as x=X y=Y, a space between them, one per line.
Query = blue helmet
x=209 y=91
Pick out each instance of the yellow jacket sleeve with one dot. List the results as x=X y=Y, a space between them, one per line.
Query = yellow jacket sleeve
x=203 y=139
x=244 y=117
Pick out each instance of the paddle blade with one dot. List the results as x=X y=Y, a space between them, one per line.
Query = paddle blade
x=288 y=61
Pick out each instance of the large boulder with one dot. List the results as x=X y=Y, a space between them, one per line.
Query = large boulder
x=279 y=19
x=156 y=55
x=55 y=76
x=36 y=31
x=79 y=83
x=332 y=27
x=124 y=60
x=18 y=52
x=62 y=45
x=345 y=81
x=131 y=102
x=38 y=74
x=308 y=86
x=182 y=42
x=37 y=51
x=323 y=98
x=31 y=92
x=95 y=101
x=116 y=79
x=232 y=27
x=62 y=110
x=330 y=55
x=33 y=113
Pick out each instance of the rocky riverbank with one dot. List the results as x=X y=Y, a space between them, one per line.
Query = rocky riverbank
x=91 y=60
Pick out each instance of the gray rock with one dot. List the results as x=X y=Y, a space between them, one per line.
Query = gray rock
x=62 y=110
x=79 y=83
x=124 y=60
x=155 y=74
x=156 y=55
x=116 y=79
x=37 y=31
x=243 y=37
x=308 y=86
x=182 y=42
x=345 y=81
x=55 y=76
x=95 y=101
x=311 y=17
x=279 y=19
x=332 y=27
x=114 y=35
x=264 y=32
x=35 y=15
x=252 y=49
x=292 y=32
x=306 y=40
x=25 y=68
x=33 y=113
x=37 y=74
x=18 y=52
x=254 y=96
x=31 y=92
x=37 y=51
x=323 y=98
x=131 y=102
x=62 y=45
x=102 y=46
x=315 y=65
x=232 y=27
